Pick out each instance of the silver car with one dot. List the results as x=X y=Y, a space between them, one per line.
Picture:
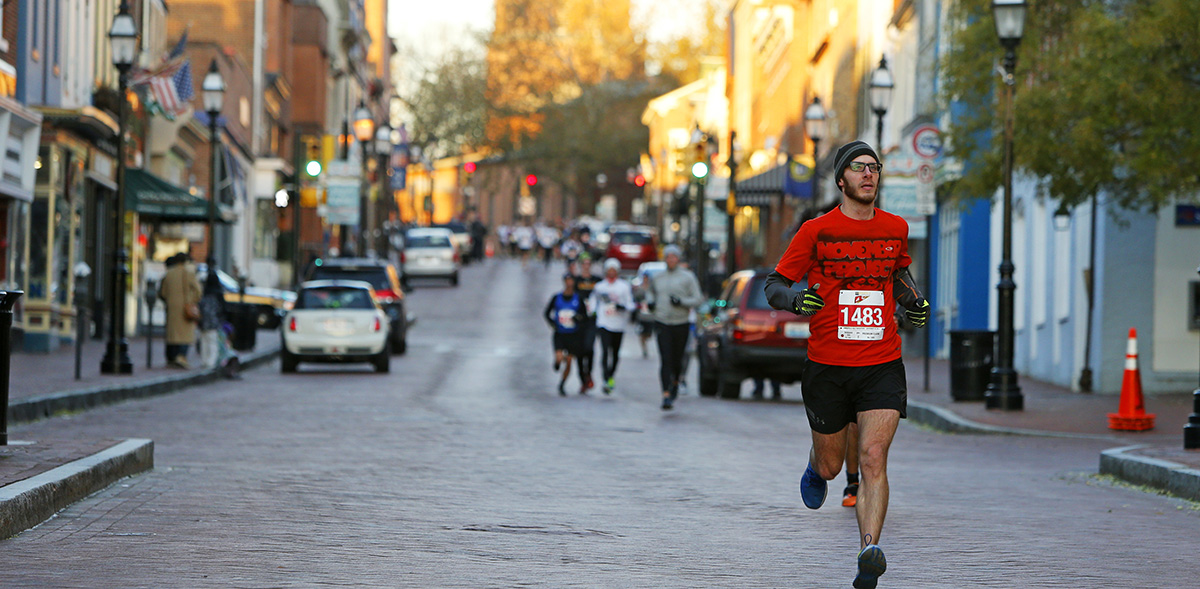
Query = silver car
x=429 y=252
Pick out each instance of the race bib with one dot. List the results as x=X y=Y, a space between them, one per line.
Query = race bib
x=860 y=315
x=566 y=318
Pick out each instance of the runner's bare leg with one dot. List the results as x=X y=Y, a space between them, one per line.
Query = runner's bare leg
x=828 y=451
x=876 y=429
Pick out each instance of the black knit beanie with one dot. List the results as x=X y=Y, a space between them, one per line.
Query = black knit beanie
x=847 y=153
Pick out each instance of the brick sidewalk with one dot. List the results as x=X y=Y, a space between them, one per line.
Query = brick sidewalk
x=1051 y=408
x=36 y=374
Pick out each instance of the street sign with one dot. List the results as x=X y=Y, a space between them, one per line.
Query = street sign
x=341 y=202
x=926 y=192
x=927 y=142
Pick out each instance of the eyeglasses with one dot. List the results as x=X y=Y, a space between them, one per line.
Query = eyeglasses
x=860 y=166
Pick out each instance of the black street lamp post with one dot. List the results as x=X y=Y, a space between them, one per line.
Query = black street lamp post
x=124 y=37
x=1003 y=391
x=881 y=88
x=383 y=208
x=213 y=89
x=364 y=132
x=814 y=125
x=731 y=209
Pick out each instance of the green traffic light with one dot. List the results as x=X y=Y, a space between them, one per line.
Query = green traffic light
x=313 y=168
x=699 y=169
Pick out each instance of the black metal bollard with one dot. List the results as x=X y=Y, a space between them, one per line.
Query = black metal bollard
x=7 y=300
x=151 y=295
x=1191 y=430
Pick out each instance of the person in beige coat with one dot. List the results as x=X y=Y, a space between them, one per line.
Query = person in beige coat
x=181 y=291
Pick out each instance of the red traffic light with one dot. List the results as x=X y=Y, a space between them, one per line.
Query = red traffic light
x=531 y=180
x=469 y=167
x=639 y=180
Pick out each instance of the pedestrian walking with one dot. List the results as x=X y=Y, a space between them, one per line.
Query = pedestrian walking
x=214 y=342
x=181 y=292
x=585 y=282
x=612 y=298
x=525 y=239
x=673 y=293
x=858 y=256
x=563 y=313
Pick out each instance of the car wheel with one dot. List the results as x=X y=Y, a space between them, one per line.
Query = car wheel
x=454 y=279
x=288 y=362
x=383 y=360
x=401 y=346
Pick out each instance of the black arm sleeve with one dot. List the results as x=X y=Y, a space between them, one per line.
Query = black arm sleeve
x=549 y=310
x=904 y=288
x=779 y=292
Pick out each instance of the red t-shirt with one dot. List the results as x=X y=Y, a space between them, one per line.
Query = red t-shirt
x=853 y=261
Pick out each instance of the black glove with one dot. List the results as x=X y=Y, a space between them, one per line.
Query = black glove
x=675 y=301
x=807 y=301
x=919 y=314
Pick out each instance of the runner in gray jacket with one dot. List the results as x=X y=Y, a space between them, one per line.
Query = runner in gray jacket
x=671 y=295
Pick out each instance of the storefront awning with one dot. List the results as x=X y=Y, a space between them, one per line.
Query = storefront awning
x=760 y=189
x=151 y=196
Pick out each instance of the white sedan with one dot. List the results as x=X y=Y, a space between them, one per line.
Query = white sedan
x=335 y=321
x=429 y=253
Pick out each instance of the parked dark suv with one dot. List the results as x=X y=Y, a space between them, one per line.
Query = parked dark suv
x=742 y=336
x=382 y=276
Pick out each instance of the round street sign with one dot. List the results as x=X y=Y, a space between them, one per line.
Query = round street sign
x=925 y=173
x=927 y=142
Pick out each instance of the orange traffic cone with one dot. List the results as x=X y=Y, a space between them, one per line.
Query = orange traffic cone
x=489 y=250
x=1131 y=414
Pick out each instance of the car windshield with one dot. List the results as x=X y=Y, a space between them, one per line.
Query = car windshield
x=375 y=276
x=630 y=238
x=427 y=241
x=334 y=298
x=454 y=226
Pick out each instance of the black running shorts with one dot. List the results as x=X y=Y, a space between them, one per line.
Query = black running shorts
x=571 y=343
x=833 y=395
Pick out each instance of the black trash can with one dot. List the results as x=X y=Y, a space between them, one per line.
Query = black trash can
x=245 y=328
x=970 y=363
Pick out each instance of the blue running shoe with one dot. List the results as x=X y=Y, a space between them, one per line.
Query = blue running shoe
x=871 y=564
x=812 y=488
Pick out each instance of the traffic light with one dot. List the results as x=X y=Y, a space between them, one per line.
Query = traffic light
x=531 y=179
x=469 y=167
x=313 y=162
x=700 y=170
x=639 y=180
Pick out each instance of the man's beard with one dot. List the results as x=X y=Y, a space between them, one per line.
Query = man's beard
x=856 y=196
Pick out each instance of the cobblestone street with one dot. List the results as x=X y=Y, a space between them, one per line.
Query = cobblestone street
x=464 y=468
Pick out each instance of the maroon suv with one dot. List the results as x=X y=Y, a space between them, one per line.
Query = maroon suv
x=744 y=337
x=632 y=247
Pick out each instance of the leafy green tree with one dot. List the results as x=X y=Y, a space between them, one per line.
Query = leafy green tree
x=447 y=103
x=1105 y=92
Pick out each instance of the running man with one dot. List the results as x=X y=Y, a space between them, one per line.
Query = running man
x=563 y=313
x=856 y=257
x=673 y=293
x=612 y=298
x=585 y=281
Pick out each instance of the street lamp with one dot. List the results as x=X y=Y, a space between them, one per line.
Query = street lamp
x=1003 y=392
x=124 y=38
x=881 y=88
x=364 y=132
x=213 y=91
x=383 y=150
x=814 y=125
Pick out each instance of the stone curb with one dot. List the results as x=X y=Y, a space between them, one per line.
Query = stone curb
x=34 y=408
x=27 y=503
x=1172 y=477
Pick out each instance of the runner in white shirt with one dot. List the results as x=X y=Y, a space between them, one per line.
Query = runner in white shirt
x=612 y=298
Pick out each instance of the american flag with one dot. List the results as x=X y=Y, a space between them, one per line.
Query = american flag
x=172 y=85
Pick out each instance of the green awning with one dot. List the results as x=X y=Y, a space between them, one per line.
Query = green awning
x=151 y=196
